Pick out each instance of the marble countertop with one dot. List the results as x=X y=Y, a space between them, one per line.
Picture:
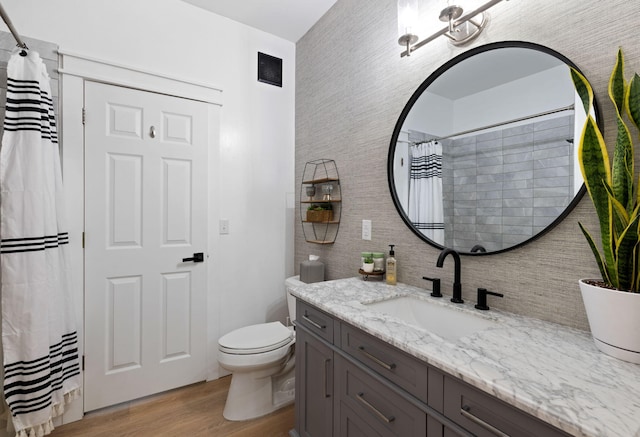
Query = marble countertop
x=550 y=371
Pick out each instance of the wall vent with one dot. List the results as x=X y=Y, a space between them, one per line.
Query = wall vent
x=269 y=69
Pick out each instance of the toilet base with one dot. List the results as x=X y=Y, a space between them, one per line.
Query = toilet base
x=255 y=394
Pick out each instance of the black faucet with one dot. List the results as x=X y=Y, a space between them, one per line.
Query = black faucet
x=482 y=298
x=457 y=286
x=435 y=288
x=478 y=248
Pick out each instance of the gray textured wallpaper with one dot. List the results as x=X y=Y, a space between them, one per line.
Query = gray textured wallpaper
x=351 y=86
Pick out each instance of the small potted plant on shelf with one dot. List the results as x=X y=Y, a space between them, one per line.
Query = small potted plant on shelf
x=320 y=213
x=613 y=302
x=367 y=265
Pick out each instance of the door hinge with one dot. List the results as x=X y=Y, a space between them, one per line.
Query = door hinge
x=83 y=240
x=83 y=363
x=84 y=115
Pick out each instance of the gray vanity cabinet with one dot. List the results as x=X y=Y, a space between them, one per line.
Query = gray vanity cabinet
x=352 y=384
x=314 y=372
x=408 y=374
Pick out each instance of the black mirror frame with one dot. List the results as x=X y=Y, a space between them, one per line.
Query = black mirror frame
x=432 y=77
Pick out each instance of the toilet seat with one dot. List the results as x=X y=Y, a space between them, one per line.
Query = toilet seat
x=255 y=339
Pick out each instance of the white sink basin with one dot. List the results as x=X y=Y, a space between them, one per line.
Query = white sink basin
x=448 y=323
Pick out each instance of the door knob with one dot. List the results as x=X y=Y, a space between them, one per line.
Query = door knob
x=196 y=258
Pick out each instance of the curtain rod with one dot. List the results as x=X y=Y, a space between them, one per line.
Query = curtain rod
x=515 y=120
x=13 y=30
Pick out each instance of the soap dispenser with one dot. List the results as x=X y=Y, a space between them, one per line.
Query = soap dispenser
x=391 y=267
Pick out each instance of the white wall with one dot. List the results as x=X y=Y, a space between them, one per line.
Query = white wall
x=256 y=168
x=512 y=100
x=431 y=114
x=523 y=97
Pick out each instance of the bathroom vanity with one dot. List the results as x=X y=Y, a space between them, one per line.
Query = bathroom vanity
x=362 y=370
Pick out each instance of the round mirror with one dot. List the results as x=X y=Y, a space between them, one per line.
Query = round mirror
x=483 y=157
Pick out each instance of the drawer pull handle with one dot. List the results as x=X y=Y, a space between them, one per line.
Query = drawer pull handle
x=315 y=324
x=377 y=412
x=376 y=359
x=327 y=361
x=466 y=412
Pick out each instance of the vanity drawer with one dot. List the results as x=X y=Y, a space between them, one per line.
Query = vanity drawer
x=486 y=416
x=350 y=424
x=315 y=320
x=397 y=366
x=388 y=413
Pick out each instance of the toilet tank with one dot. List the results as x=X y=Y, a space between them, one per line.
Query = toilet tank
x=290 y=283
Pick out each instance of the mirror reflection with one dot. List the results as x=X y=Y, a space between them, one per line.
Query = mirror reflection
x=483 y=158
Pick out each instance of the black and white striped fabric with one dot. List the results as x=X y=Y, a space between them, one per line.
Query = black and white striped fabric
x=426 y=209
x=40 y=344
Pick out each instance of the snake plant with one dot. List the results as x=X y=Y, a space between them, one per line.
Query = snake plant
x=612 y=184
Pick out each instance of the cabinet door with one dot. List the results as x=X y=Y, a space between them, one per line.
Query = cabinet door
x=386 y=411
x=314 y=386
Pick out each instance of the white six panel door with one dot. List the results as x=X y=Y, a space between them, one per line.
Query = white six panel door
x=145 y=211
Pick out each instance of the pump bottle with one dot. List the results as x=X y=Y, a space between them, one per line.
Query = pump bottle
x=391 y=267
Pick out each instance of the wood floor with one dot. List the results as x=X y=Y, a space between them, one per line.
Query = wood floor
x=194 y=411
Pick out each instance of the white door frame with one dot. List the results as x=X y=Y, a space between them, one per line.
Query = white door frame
x=74 y=70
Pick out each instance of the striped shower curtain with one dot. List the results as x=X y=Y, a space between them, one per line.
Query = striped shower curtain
x=426 y=209
x=39 y=338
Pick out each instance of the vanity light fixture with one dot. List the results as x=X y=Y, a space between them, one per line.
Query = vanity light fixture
x=460 y=28
x=408 y=16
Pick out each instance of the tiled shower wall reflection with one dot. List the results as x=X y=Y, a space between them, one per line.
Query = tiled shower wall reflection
x=500 y=188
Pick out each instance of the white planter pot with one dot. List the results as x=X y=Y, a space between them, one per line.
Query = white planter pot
x=367 y=267
x=614 y=319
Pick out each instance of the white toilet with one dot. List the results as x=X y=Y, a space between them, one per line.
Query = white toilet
x=261 y=358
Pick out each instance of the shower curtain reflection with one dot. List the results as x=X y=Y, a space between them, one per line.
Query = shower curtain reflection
x=425 y=190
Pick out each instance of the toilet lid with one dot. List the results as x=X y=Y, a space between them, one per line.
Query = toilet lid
x=255 y=339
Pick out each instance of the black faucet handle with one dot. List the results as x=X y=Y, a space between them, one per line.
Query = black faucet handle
x=482 y=298
x=435 y=289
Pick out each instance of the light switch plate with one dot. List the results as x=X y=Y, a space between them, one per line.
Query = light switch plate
x=224 y=227
x=366 y=229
